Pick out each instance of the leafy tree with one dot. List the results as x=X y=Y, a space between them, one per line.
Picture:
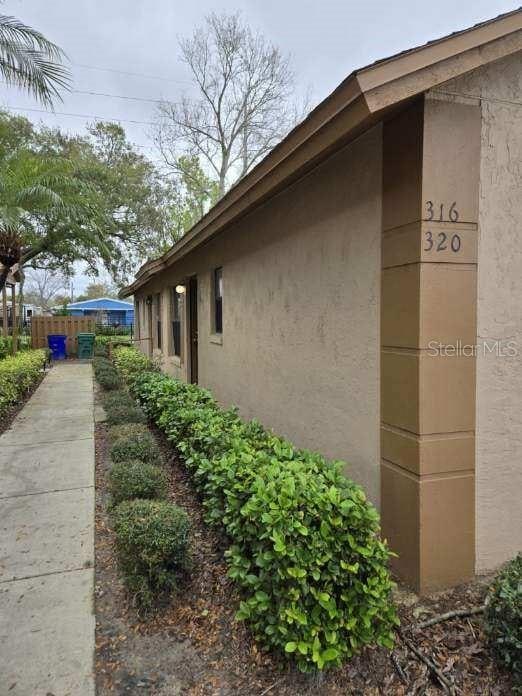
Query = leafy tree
x=134 y=198
x=61 y=300
x=95 y=290
x=242 y=105
x=68 y=198
x=30 y=61
x=194 y=194
x=44 y=208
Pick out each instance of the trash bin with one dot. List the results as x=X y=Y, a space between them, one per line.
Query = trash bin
x=85 y=345
x=56 y=343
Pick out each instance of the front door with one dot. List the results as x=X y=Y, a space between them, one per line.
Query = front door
x=193 y=328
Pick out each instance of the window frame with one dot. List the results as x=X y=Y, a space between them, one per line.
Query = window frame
x=159 y=327
x=217 y=296
x=176 y=318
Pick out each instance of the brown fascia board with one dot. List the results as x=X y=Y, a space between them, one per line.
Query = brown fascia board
x=360 y=101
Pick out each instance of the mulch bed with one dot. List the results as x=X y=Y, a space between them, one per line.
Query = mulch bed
x=191 y=644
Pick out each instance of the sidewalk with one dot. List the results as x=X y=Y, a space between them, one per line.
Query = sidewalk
x=47 y=540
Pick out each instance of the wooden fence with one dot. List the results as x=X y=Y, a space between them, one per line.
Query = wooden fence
x=41 y=327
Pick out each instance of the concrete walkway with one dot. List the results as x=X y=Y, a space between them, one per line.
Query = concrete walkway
x=47 y=540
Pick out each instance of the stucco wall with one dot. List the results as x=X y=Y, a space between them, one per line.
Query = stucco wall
x=499 y=379
x=301 y=279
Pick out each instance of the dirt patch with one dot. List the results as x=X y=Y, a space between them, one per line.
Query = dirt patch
x=192 y=643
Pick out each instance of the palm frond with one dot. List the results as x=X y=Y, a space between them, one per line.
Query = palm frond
x=30 y=61
x=39 y=197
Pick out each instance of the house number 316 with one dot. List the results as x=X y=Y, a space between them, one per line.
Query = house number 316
x=441 y=241
x=436 y=212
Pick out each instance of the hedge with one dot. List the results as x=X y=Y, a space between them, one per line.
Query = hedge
x=109 y=331
x=305 y=544
x=17 y=375
x=6 y=345
x=130 y=362
x=106 y=374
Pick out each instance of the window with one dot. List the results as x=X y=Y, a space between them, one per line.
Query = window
x=218 y=300
x=157 y=305
x=177 y=301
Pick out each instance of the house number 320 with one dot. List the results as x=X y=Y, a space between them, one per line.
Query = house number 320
x=440 y=243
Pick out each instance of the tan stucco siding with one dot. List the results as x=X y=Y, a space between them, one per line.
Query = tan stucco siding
x=499 y=379
x=301 y=311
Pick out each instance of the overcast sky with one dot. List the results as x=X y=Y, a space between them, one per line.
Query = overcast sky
x=326 y=40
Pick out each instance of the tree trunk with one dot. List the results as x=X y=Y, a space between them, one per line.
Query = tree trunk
x=21 y=299
x=3 y=276
x=221 y=190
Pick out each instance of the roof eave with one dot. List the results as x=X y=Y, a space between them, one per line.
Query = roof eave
x=363 y=99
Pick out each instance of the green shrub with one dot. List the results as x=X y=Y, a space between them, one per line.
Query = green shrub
x=141 y=446
x=106 y=374
x=151 y=543
x=120 y=407
x=503 y=617
x=134 y=479
x=125 y=413
x=126 y=430
x=305 y=541
x=109 y=331
x=114 y=399
x=101 y=363
x=100 y=350
x=6 y=345
x=109 y=379
x=130 y=362
x=17 y=375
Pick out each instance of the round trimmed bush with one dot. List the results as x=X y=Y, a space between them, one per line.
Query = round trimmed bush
x=503 y=617
x=134 y=479
x=115 y=399
x=100 y=350
x=125 y=414
x=140 y=446
x=106 y=374
x=109 y=380
x=126 y=430
x=151 y=543
x=120 y=407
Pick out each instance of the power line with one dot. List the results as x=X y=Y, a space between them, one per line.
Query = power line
x=121 y=96
x=131 y=74
x=98 y=118
x=114 y=96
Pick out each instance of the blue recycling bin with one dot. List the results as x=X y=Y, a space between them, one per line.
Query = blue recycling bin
x=56 y=343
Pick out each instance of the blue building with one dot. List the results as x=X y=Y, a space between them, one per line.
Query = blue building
x=105 y=310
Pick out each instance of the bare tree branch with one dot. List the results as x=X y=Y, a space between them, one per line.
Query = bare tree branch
x=42 y=286
x=243 y=103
